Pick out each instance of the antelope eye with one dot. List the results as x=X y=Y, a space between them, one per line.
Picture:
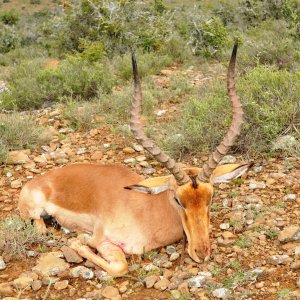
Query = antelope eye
x=178 y=202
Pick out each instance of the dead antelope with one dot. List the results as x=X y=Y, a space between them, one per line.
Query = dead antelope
x=127 y=214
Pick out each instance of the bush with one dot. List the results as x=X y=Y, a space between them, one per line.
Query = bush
x=9 y=17
x=18 y=132
x=207 y=37
x=16 y=236
x=270 y=43
x=271 y=105
x=8 y=38
x=32 y=85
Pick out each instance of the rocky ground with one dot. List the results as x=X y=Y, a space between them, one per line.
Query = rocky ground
x=255 y=230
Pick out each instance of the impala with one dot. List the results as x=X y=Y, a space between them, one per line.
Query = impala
x=123 y=213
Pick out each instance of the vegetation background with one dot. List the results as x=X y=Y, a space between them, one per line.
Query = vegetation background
x=76 y=55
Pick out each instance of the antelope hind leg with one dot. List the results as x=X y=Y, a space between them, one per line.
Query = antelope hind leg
x=116 y=265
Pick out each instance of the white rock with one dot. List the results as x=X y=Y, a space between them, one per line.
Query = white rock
x=285 y=142
x=290 y=197
x=2 y=263
x=227 y=159
x=160 y=113
x=221 y=293
x=224 y=226
x=196 y=281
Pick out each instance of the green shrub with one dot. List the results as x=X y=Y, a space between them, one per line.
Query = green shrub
x=16 y=236
x=35 y=2
x=9 y=17
x=271 y=105
x=8 y=38
x=18 y=132
x=207 y=37
x=81 y=115
x=148 y=63
x=32 y=85
x=270 y=43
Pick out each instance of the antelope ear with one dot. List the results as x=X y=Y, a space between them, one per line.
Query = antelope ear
x=226 y=173
x=154 y=185
x=148 y=190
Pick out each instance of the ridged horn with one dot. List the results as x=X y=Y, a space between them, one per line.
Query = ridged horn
x=236 y=125
x=138 y=132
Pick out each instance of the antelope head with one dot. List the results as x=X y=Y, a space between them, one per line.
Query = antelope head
x=191 y=189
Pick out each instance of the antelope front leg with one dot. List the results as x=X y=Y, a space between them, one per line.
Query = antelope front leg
x=114 y=261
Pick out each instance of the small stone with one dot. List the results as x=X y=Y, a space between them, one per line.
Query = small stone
x=295 y=265
x=256 y=185
x=71 y=255
x=151 y=280
x=2 y=264
x=130 y=160
x=110 y=292
x=221 y=293
x=290 y=233
x=61 y=285
x=297 y=251
x=278 y=259
x=160 y=113
x=149 y=171
x=228 y=159
x=260 y=285
x=171 y=249
x=258 y=169
x=138 y=148
x=128 y=150
x=49 y=265
x=162 y=284
x=298 y=282
x=174 y=256
x=175 y=294
x=224 y=226
x=106 y=146
x=290 y=197
x=18 y=157
x=97 y=155
x=140 y=158
x=36 y=285
x=16 y=184
x=82 y=272
x=31 y=253
x=22 y=282
x=6 y=289
x=196 y=281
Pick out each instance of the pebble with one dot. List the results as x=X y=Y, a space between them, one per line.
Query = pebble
x=110 y=292
x=82 y=272
x=162 y=284
x=70 y=255
x=171 y=249
x=22 y=282
x=151 y=280
x=298 y=282
x=196 y=281
x=290 y=197
x=130 y=160
x=15 y=184
x=221 y=293
x=6 y=289
x=128 y=150
x=36 y=285
x=278 y=259
x=138 y=148
x=61 y=285
x=2 y=264
x=224 y=226
x=227 y=159
x=290 y=233
x=50 y=265
x=174 y=256
x=256 y=185
x=149 y=171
